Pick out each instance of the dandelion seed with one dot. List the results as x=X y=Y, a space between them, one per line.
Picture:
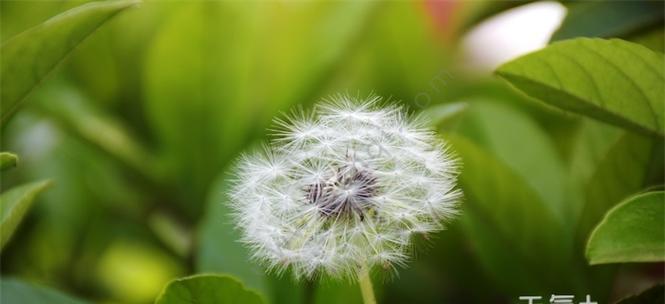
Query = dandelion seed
x=343 y=188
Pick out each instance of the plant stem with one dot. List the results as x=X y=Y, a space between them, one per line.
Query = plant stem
x=366 y=285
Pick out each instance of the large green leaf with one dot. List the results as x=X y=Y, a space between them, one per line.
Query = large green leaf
x=510 y=227
x=7 y=160
x=31 y=55
x=18 y=292
x=502 y=131
x=610 y=164
x=206 y=105
x=611 y=80
x=207 y=288
x=620 y=19
x=14 y=204
x=633 y=231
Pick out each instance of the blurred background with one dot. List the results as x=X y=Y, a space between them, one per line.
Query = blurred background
x=137 y=126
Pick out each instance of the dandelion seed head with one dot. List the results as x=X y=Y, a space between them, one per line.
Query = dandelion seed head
x=345 y=185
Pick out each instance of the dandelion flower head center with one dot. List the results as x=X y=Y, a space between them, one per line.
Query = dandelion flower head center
x=346 y=193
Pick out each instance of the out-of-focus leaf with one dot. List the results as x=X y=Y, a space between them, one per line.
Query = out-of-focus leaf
x=220 y=249
x=134 y=272
x=504 y=131
x=18 y=292
x=338 y=292
x=633 y=231
x=14 y=204
x=31 y=55
x=622 y=168
x=8 y=160
x=78 y=115
x=445 y=114
x=653 y=39
x=619 y=19
x=481 y=10
x=510 y=227
x=207 y=288
x=203 y=107
x=611 y=80
x=653 y=295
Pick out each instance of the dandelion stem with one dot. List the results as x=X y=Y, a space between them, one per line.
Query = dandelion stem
x=366 y=285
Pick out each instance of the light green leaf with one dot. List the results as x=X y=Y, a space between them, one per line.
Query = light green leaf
x=18 y=292
x=209 y=103
x=615 y=81
x=207 y=288
x=31 y=55
x=633 y=231
x=14 y=204
x=7 y=160
x=445 y=114
x=620 y=19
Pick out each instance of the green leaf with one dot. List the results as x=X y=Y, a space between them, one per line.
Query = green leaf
x=482 y=10
x=610 y=164
x=77 y=114
x=620 y=19
x=446 y=114
x=633 y=231
x=207 y=288
x=14 y=204
x=510 y=227
x=220 y=249
x=502 y=131
x=216 y=108
x=614 y=81
x=8 y=160
x=31 y=55
x=18 y=292
x=653 y=295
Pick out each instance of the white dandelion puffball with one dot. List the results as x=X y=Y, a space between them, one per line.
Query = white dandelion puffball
x=343 y=187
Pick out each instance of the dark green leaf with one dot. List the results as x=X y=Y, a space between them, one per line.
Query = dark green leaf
x=207 y=288
x=17 y=292
x=14 y=204
x=482 y=10
x=633 y=231
x=7 y=160
x=619 y=19
x=31 y=55
x=610 y=165
x=653 y=295
x=611 y=80
x=220 y=249
x=510 y=227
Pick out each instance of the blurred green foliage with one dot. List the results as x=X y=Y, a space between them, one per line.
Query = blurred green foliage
x=137 y=126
